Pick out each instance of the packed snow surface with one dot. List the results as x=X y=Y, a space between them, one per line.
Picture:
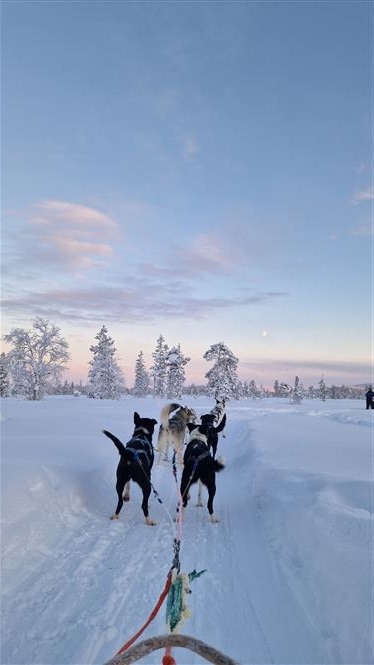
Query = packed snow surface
x=289 y=567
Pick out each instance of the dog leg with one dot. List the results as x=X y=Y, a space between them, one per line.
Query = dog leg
x=146 y=488
x=120 y=486
x=160 y=444
x=184 y=489
x=211 y=494
x=179 y=455
x=214 y=519
x=199 y=496
x=126 y=494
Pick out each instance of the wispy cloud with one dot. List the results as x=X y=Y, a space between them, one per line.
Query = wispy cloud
x=189 y=147
x=76 y=213
x=66 y=235
x=61 y=240
x=364 y=230
x=139 y=302
x=363 y=195
x=208 y=253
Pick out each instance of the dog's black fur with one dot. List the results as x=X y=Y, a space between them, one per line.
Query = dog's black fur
x=136 y=462
x=212 y=431
x=199 y=465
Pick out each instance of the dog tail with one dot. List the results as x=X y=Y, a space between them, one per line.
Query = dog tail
x=118 y=444
x=218 y=464
x=165 y=413
x=222 y=424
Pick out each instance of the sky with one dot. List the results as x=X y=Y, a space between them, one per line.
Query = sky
x=200 y=170
x=288 y=568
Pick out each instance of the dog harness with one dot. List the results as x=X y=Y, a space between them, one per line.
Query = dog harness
x=146 y=450
x=202 y=455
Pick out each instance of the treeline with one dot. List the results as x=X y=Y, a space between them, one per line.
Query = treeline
x=36 y=364
x=245 y=390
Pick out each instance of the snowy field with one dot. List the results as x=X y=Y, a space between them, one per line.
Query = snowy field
x=289 y=568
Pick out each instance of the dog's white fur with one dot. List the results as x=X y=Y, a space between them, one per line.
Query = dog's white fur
x=174 y=419
x=218 y=411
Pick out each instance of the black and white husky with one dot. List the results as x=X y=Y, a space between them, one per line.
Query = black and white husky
x=219 y=412
x=135 y=463
x=199 y=465
x=216 y=421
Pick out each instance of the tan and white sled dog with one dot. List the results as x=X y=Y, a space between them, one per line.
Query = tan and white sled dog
x=174 y=419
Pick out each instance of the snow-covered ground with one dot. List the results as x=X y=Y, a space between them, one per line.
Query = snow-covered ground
x=289 y=568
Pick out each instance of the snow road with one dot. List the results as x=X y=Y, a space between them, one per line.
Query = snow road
x=288 y=568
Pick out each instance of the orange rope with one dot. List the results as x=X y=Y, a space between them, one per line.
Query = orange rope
x=151 y=616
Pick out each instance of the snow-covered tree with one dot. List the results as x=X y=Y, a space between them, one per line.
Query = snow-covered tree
x=222 y=377
x=105 y=378
x=176 y=377
x=4 y=377
x=322 y=389
x=284 y=390
x=253 y=389
x=297 y=395
x=158 y=370
x=37 y=359
x=141 y=383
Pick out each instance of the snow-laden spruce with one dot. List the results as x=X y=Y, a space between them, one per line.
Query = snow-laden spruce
x=142 y=378
x=222 y=377
x=105 y=377
x=168 y=370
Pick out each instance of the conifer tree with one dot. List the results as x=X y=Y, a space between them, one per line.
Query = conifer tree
x=322 y=389
x=141 y=383
x=176 y=377
x=297 y=392
x=253 y=389
x=222 y=377
x=159 y=369
x=4 y=378
x=105 y=378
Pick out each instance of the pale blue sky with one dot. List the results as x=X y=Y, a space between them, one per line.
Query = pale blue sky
x=202 y=170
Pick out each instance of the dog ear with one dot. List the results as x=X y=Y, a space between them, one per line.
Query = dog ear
x=137 y=418
x=191 y=426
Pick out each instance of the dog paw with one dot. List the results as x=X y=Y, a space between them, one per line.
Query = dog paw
x=199 y=504
x=214 y=519
x=150 y=522
x=114 y=517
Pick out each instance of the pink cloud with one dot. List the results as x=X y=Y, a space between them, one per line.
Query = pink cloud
x=70 y=234
x=73 y=213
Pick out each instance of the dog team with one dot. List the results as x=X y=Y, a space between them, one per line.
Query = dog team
x=178 y=429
